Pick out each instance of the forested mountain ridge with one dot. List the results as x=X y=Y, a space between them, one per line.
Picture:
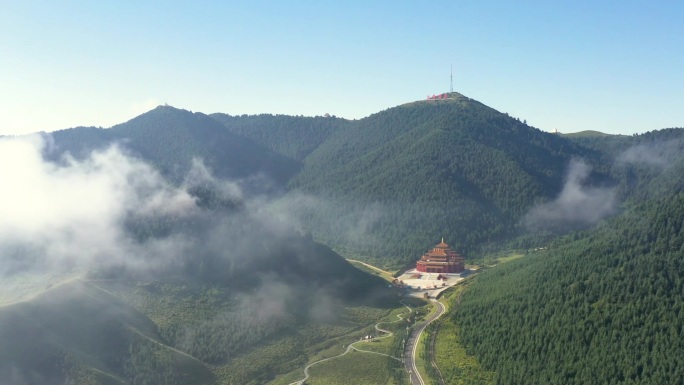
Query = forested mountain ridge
x=171 y=138
x=444 y=129
x=165 y=271
x=292 y=136
x=237 y=287
x=451 y=167
x=246 y=290
x=602 y=306
x=78 y=334
x=386 y=186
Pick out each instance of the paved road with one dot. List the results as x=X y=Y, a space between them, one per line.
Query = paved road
x=412 y=345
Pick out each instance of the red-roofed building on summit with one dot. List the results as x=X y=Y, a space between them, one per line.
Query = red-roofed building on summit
x=441 y=259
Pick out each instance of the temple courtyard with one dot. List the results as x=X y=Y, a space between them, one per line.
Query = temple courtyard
x=416 y=283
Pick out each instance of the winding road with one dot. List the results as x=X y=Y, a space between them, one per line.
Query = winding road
x=352 y=347
x=409 y=352
x=412 y=345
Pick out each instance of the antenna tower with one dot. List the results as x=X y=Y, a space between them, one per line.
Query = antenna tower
x=451 y=89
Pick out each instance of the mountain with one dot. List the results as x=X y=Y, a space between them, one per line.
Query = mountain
x=217 y=278
x=598 y=306
x=381 y=188
x=292 y=136
x=585 y=134
x=76 y=333
x=642 y=164
x=602 y=306
x=148 y=276
x=271 y=301
x=454 y=168
x=171 y=138
x=384 y=187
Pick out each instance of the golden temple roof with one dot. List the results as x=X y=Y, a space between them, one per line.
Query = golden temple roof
x=437 y=253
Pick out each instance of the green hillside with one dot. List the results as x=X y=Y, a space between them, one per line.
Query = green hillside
x=598 y=307
x=292 y=136
x=381 y=188
x=254 y=296
x=248 y=299
x=585 y=134
x=171 y=138
x=385 y=187
x=78 y=333
x=642 y=165
x=192 y=328
x=454 y=168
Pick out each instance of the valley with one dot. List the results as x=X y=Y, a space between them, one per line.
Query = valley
x=185 y=248
x=341 y=193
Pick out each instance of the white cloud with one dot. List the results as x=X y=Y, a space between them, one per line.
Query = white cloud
x=72 y=212
x=659 y=154
x=577 y=205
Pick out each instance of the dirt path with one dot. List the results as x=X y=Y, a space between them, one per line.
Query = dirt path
x=141 y=334
x=38 y=293
x=352 y=347
x=387 y=273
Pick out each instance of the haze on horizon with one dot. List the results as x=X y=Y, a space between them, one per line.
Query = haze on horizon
x=608 y=66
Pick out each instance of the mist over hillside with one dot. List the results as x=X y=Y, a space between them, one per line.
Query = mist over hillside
x=600 y=306
x=170 y=139
x=385 y=187
x=115 y=228
x=113 y=213
x=210 y=235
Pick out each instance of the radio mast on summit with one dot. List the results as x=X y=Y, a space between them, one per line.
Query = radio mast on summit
x=451 y=89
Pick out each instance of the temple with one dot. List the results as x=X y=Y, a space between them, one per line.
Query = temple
x=441 y=259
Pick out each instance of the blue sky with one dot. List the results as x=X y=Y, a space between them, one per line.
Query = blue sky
x=613 y=66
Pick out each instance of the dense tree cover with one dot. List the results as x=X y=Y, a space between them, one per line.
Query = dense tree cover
x=79 y=334
x=387 y=186
x=248 y=285
x=414 y=173
x=147 y=363
x=600 y=307
x=292 y=136
x=455 y=366
x=246 y=338
x=601 y=303
x=236 y=247
x=170 y=139
x=641 y=164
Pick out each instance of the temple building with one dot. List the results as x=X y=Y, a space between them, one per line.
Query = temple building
x=441 y=259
